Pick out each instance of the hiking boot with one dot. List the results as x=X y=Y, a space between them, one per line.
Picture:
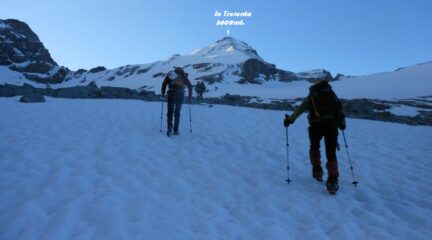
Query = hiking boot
x=332 y=185
x=176 y=133
x=317 y=173
x=169 y=132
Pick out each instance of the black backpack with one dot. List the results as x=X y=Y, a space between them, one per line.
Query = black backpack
x=177 y=81
x=324 y=102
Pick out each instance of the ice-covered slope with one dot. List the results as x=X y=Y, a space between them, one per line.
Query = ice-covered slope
x=409 y=82
x=404 y=83
x=100 y=169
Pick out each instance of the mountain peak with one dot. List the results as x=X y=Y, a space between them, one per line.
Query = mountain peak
x=227 y=46
x=230 y=39
x=21 y=44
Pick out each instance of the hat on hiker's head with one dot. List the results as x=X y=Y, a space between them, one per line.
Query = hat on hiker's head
x=178 y=70
x=320 y=83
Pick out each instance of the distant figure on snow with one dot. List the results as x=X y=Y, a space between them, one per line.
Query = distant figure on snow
x=200 y=89
x=325 y=117
x=176 y=80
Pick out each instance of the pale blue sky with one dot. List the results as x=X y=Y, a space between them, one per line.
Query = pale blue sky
x=347 y=36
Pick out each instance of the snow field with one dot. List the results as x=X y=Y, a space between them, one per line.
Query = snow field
x=100 y=169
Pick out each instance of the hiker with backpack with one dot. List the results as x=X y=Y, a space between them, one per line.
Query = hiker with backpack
x=177 y=81
x=325 y=117
x=200 y=89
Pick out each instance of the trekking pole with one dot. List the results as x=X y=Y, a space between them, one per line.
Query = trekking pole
x=349 y=159
x=287 y=148
x=161 y=117
x=190 y=117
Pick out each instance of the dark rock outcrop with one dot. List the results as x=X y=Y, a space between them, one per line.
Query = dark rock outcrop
x=80 y=71
x=21 y=49
x=58 y=77
x=287 y=76
x=158 y=75
x=232 y=98
x=97 y=69
x=354 y=108
x=200 y=65
x=252 y=69
x=142 y=71
x=92 y=84
x=359 y=107
x=213 y=78
x=32 y=98
x=20 y=44
x=338 y=77
x=256 y=71
x=76 y=92
x=315 y=75
x=33 y=67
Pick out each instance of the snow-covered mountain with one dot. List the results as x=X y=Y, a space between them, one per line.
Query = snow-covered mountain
x=226 y=66
x=23 y=55
x=403 y=83
x=227 y=61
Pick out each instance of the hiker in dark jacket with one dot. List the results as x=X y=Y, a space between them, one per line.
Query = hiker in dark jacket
x=197 y=89
x=176 y=80
x=325 y=117
x=203 y=87
x=200 y=89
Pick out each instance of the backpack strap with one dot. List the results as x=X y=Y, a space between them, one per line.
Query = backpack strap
x=313 y=106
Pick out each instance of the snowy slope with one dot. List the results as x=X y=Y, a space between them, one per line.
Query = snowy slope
x=409 y=82
x=100 y=169
x=16 y=78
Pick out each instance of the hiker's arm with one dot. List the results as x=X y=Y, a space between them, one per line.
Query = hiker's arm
x=164 y=84
x=301 y=109
x=340 y=118
x=189 y=86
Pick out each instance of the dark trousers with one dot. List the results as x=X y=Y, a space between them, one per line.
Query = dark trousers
x=328 y=131
x=175 y=101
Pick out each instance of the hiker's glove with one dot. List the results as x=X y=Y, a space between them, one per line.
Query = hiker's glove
x=342 y=125
x=287 y=121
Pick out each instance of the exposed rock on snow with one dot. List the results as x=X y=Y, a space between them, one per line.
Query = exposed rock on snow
x=32 y=98
x=97 y=69
x=253 y=68
x=20 y=44
x=211 y=79
x=315 y=75
x=22 y=51
x=353 y=108
x=359 y=107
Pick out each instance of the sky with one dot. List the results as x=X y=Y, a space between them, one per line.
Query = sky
x=342 y=36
